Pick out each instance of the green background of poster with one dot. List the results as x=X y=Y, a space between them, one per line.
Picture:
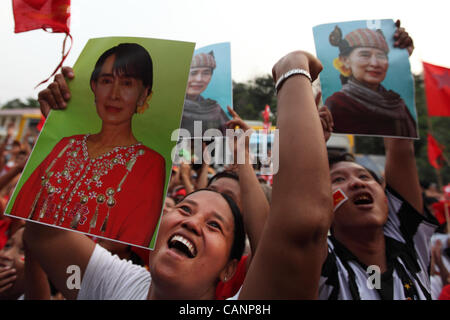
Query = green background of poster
x=171 y=63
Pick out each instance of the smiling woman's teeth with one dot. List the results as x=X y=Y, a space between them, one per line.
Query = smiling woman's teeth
x=186 y=243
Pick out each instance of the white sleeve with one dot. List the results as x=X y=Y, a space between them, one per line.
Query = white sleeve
x=107 y=277
x=436 y=286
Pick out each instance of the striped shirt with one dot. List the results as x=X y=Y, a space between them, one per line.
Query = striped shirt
x=407 y=234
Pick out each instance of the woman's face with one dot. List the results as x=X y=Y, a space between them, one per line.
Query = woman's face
x=198 y=81
x=366 y=206
x=13 y=255
x=117 y=97
x=194 y=244
x=368 y=65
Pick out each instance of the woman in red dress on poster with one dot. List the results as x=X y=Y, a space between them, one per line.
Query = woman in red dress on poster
x=106 y=184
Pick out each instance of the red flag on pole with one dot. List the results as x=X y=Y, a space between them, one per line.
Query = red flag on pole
x=44 y=14
x=437 y=89
x=435 y=152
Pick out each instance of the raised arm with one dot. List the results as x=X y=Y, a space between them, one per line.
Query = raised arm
x=255 y=207
x=55 y=250
x=293 y=245
x=185 y=174
x=36 y=281
x=202 y=178
x=401 y=171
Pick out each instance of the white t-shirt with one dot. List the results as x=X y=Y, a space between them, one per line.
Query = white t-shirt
x=107 y=277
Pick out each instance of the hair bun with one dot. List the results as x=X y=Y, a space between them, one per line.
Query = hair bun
x=335 y=37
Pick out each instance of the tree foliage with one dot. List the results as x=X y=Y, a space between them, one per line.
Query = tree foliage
x=19 y=104
x=250 y=98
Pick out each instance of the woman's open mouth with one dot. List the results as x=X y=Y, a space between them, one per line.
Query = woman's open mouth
x=182 y=246
x=363 y=200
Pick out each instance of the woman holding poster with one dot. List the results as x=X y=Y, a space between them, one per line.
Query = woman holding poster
x=363 y=105
x=106 y=184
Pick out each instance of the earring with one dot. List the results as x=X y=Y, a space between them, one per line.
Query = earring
x=144 y=106
x=141 y=108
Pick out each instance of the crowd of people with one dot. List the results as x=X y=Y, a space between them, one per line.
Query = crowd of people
x=228 y=233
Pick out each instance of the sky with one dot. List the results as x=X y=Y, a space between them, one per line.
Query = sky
x=260 y=32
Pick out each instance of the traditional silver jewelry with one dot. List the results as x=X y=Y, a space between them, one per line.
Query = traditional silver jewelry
x=290 y=73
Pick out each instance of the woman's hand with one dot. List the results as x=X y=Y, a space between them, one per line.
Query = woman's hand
x=57 y=93
x=236 y=121
x=7 y=278
x=327 y=122
x=243 y=139
x=326 y=119
x=402 y=39
x=294 y=60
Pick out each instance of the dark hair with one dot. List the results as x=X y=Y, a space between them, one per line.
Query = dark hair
x=223 y=174
x=336 y=157
x=131 y=60
x=238 y=246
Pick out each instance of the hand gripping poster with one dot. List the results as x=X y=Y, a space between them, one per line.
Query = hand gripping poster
x=366 y=81
x=101 y=166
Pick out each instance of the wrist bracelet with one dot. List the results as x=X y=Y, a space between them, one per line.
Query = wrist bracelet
x=290 y=73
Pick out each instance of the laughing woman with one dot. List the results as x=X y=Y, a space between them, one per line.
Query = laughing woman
x=201 y=239
x=106 y=184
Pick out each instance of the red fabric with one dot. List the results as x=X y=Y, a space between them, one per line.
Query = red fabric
x=142 y=253
x=439 y=210
x=437 y=89
x=445 y=293
x=352 y=117
x=137 y=206
x=4 y=226
x=435 y=156
x=45 y=14
x=228 y=289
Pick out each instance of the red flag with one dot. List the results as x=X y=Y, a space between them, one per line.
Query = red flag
x=266 y=113
x=437 y=89
x=435 y=152
x=339 y=198
x=266 y=117
x=45 y=14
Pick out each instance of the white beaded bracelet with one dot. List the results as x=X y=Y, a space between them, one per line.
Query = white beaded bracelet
x=290 y=73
